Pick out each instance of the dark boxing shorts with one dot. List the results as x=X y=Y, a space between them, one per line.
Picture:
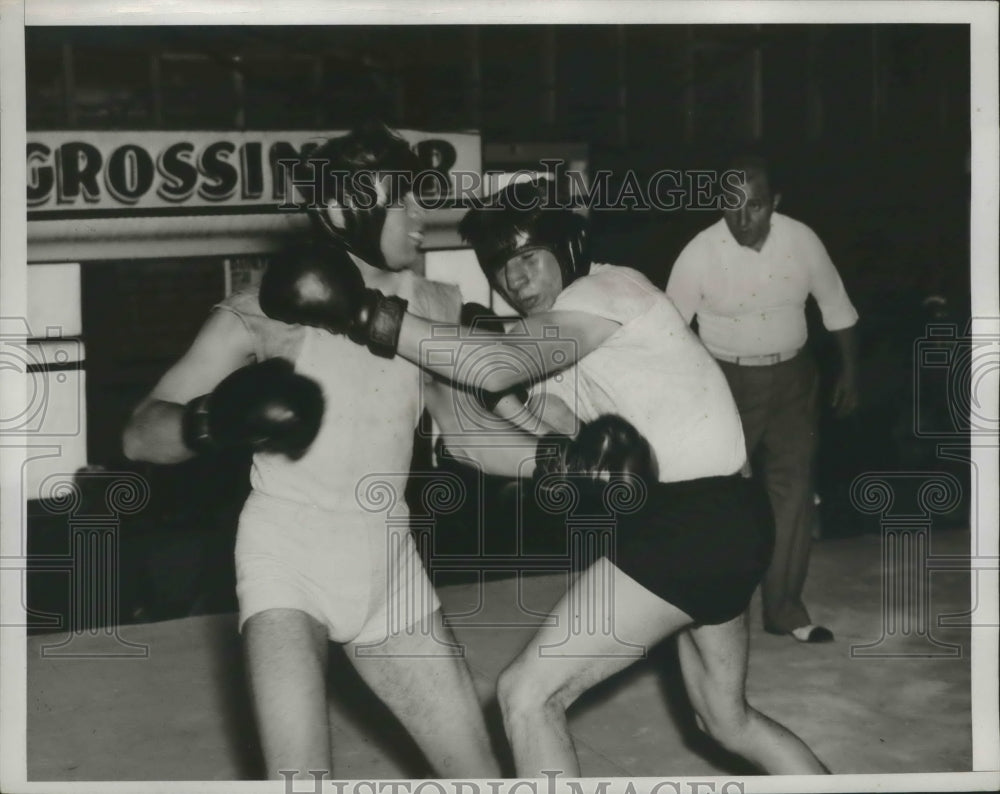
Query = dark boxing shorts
x=702 y=545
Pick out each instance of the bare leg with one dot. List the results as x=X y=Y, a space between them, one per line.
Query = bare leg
x=714 y=664
x=286 y=655
x=432 y=695
x=564 y=660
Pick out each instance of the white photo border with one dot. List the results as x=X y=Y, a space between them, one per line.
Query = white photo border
x=985 y=166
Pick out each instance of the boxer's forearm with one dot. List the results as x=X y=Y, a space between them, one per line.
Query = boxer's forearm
x=453 y=353
x=499 y=448
x=554 y=415
x=154 y=433
x=513 y=461
x=510 y=408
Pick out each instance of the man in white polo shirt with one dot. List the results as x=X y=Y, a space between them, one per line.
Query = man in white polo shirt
x=747 y=278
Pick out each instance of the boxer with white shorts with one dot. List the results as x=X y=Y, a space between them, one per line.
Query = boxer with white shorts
x=321 y=415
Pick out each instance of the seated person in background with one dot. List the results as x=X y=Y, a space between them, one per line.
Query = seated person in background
x=313 y=566
x=603 y=340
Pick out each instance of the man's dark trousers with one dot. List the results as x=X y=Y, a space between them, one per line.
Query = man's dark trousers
x=779 y=410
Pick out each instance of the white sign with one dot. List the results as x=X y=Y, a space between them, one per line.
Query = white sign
x=146 y=194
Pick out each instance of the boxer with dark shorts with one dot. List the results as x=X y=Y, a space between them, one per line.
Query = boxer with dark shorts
x=632 y=398
x=702 y=545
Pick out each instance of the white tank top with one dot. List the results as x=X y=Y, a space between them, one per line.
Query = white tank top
x=372 y=404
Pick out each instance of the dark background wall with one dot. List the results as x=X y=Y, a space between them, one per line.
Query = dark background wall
x=869 y=125
x=871 y=122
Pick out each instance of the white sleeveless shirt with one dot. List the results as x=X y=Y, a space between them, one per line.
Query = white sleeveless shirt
x=654 y=372
x=372 y=404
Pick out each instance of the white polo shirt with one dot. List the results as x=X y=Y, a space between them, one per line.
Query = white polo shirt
x=752 y=303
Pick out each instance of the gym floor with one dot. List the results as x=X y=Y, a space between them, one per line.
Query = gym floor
x=181 y=712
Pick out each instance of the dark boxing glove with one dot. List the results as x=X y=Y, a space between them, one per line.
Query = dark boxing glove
x=322 y=287
x=265 y=406
x=608 y=448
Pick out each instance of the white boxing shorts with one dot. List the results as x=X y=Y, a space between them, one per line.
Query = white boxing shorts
x=356 y=573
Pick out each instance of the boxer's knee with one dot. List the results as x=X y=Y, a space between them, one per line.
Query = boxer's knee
x=526 y=689
x=518 y=692
x=725 y=719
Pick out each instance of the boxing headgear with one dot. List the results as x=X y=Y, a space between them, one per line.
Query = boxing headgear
x=351 y=167
x=520 y=218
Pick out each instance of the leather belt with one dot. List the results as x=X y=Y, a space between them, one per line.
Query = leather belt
x=765 y=360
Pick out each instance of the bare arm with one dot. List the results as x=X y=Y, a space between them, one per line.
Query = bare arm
x=684 y=283
x=153 y=433
x=544 y=413
x=845 y=396
x=545 y=344
x=502 y=449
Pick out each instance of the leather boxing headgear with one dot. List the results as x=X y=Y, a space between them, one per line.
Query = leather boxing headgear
x=522 y=217
x=352 y=166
